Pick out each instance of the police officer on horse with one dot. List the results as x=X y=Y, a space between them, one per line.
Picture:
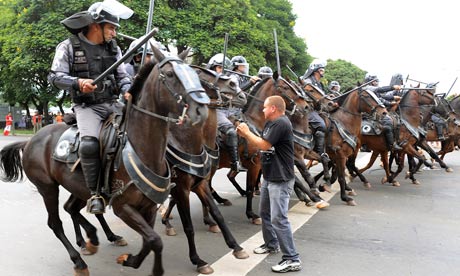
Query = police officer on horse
x=85 y=55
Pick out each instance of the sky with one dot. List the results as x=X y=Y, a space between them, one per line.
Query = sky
x=419 y=39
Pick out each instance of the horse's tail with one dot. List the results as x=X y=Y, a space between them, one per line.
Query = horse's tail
x=11 y=162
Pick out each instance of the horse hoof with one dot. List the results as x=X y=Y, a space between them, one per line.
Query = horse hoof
x=257 y=192
x=89 y=249
x=241 y=254
x=171 y=232
x=351 y=203
x=325 y=188
x=407 y=175
x=396 y=184
x=416 y=182
x=367 y=185
x=122 y=258
x=384 y=180
x=322 y=204
x=81 y=272
x=449 y=170
x=227 y=203
x=120 y=242
x=257 y=221
x=309 y=203
x=214 y=229
x=206 y=269
x=352 y=193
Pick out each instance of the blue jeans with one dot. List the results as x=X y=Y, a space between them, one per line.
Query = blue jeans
x=276 y=229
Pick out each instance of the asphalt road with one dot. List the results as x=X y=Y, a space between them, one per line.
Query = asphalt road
x=407 y=230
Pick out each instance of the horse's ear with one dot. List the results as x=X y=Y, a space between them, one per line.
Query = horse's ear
x=183 y=55
x=158 y=54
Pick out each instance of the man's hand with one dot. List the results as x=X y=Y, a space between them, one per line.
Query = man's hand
x=396 y=98
x=86 y=85
x=127 y=96
x=242 y=129
x=396 y=87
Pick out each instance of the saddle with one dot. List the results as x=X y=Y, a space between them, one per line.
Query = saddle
x=111 y=140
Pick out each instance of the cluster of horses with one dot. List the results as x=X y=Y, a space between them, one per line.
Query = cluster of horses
x=161 y=152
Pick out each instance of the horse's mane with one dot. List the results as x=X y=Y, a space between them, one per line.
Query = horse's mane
x=140 y=78
x=254 y=91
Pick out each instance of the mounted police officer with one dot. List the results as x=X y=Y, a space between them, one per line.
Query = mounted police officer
x=312 y=80
x=90 y=50
x=241 y=67
x=224 y=125
x=265 y=72
x=133 y=63
x=389 y=99
x=334 y=88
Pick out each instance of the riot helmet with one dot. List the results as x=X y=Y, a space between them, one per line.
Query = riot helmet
x=265 y=72
x=217 y=60
x=108 y=11
x=334 y=84
x=314 y=66
x=370 y=77
x=240 y=61
x=397 y=79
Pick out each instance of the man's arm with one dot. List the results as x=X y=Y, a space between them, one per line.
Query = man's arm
x=259 y=142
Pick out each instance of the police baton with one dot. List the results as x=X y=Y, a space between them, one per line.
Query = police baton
x=125 y=56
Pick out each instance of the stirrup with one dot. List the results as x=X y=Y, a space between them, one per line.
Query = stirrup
x=93 y=200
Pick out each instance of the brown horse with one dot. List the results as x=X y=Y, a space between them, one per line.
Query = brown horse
x=172 y=89
x=344 y=129
x=192 y=153
x=408 y=111
x=453 y=140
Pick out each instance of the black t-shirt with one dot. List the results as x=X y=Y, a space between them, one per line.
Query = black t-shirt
x=278 y=165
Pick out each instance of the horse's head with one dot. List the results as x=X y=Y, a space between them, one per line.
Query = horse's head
x=173 y=91
x=222 y=89
x=360 y=101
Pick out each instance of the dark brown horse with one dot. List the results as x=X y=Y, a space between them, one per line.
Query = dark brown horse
x=142 y=179
x=344 y=129
x=192 y=153
x=452 y=141
x=408 y=111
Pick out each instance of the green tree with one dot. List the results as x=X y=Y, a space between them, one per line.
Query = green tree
x=346 y=73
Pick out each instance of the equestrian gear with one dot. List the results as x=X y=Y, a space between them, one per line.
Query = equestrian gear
x=240 y=61
x=389 y=138
x=319 y=145
x=265 y=72
x=109 y=11
x=232 y=143
x=440 y=132
x=91 y=166
x=217 y=60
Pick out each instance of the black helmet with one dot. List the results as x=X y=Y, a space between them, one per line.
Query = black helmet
x=265 y=72
x=369 y=77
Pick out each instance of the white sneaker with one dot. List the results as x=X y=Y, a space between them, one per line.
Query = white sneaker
x=263 y=249
x=287 y=265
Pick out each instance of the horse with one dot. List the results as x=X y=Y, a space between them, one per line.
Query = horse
x=192 y=152
x=343 y=124
x=408 y=112
x=452 y=141
x=429 y=134
x=171 y=89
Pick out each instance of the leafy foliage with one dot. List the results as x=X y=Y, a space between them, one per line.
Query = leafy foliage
x=31 y=29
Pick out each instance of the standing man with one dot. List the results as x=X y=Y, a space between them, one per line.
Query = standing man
x=90 y=50
x=8 y=124
x=277 y=145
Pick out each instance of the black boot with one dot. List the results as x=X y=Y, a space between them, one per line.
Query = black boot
x=439 y=130
x=232 y=143
x=389 y=139
x=91 y=166
x=319 y=145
